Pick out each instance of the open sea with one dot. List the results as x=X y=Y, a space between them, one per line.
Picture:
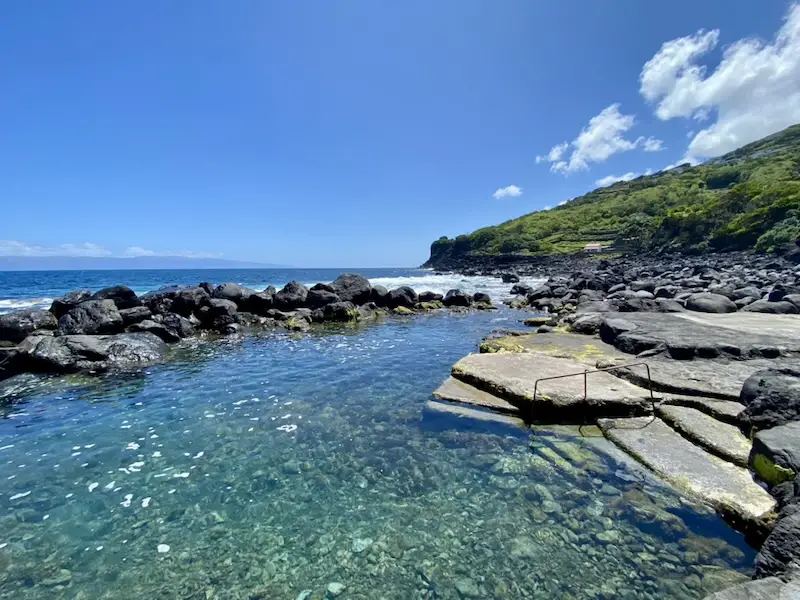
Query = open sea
x=312 y=466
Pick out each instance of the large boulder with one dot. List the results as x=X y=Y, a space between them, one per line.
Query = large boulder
x=780 y=549
x=509 y=278
x=121 y=295
x=779 y=307
x=521 y=289
x=457 y=298
x=482 y=298
x=158 y=329
x=182 y=327
x=430 y=297
x=775 y=456
x=319 y=298
x=710 y=303
x=292 y=296
x=380 y=296
x=404 y=296
x=217 y=313
x=73 y=353
x=259 y=303
x=133 y=315
x=16 y=326
x=340 y=311
x=161 y=300
x=771 y=398
x=67 y=302
x=188 y=301
x=352 y=288
x=612 y=327
x=233 y=292
x=91 y=318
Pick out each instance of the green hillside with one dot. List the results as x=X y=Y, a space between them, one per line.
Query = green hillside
x=749 y=198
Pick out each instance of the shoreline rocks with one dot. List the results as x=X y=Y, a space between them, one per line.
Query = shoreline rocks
x=115 y=328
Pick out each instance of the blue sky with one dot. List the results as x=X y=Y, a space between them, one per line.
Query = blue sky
x=354 y=133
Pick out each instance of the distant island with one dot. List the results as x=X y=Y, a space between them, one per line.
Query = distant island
x=748 y=199
x=89 y=263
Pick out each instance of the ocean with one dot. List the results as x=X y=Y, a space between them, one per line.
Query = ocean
x=313 y=466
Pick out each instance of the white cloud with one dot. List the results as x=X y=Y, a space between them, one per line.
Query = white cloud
x=138 y=251
x=509 y=191
x=548 y=207
x=555 y=154
x=603 y=137
x=651 y=144
x=610 y=179
x=16 y=248
x=754 y=90
x=563 y=202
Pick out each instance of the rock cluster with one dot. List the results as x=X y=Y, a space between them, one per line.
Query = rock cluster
x=115 y=327
x=710 y=284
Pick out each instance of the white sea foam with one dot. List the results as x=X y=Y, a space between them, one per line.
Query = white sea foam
x=448 y=281
x=19 y=303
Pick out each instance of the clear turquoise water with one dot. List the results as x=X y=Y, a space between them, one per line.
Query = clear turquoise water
x=273 y=466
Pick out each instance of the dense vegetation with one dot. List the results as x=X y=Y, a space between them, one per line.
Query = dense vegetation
x=747 y=199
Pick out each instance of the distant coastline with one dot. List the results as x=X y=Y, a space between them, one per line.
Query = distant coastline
x=107 y=263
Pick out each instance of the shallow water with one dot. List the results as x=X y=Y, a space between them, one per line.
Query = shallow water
x=271 y=466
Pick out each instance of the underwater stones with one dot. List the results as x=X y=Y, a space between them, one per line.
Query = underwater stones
x=467 y=588
x=728 y=488
x=770 y=588
x=16 y=326
x=62 y=578
x=335 y=589
x=611 y=536
x=361 y=544
x=524 y=547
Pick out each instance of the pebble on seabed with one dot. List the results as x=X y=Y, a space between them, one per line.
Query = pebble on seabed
x=163 y=548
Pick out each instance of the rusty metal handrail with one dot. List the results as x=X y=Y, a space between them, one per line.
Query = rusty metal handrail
x=588 y=372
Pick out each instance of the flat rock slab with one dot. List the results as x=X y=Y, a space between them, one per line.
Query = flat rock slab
x=721 y=439
x=728 y=488
x=466 y=412
x=726 y=411
x=559 y=344
x=513 y=377
x=719 y=378
x=453 y=390
x=747 y=333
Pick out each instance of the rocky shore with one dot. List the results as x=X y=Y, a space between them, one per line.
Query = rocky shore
x=691 y=364
x=114 y=328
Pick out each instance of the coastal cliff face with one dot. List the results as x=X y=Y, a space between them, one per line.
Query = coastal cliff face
x=748 y=199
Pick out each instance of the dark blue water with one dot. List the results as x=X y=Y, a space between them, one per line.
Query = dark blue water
x=281 y=466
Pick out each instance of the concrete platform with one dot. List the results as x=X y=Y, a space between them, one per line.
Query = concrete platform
x=721 y=439
x=466 y=412
x=513 y=377
x=728 y=488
